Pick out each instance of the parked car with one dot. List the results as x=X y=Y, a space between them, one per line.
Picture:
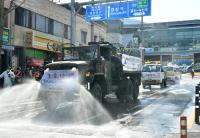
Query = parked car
x=172 y=73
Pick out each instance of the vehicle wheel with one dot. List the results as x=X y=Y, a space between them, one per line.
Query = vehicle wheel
x=162 y=84
x=135 y=91
x=130 y=90
x=165 y=84
x=97 y=92
x=121 y=97
x=126 y=95
x=50 y=104
x=150 y=87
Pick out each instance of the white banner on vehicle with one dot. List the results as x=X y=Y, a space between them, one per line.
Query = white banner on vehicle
x=131 y=63
x=52 y=79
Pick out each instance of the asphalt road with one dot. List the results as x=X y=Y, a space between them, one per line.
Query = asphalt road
x=156 y=114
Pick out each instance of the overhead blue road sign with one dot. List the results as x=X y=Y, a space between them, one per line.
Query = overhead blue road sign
x=142 y=8
x=8 y=47
x=96 y=12
x=134 y=8
x=117 y=10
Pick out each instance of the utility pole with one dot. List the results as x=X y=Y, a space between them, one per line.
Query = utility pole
x=141 y=39
x=92 y=28
x=1 y=29
x=73 y=24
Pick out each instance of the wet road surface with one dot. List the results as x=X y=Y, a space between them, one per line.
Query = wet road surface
x=156 y=114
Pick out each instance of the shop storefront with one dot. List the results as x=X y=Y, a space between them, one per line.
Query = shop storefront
x=35 y=57
x=43 y=49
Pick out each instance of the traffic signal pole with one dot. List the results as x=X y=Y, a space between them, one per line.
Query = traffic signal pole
x=73 y=24
x=92 y=28
x=73 y=18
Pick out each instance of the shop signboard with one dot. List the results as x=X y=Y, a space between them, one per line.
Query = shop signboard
x=8 y=47
x=41 y=43
x=6 y=36
x=35 y=62
x=183 y=59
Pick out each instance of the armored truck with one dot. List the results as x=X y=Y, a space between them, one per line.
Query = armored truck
x=102 y=69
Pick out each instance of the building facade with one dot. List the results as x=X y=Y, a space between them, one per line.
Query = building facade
x=168 y=41
x=114 y=32
x=39 y=29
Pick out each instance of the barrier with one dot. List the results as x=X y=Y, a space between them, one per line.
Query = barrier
x=197 y=112
x=183 y=127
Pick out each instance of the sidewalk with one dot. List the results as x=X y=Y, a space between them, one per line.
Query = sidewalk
x=194 y=132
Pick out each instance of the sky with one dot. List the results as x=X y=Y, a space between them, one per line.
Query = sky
x=169 y=10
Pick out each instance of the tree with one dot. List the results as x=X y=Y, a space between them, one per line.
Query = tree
x=3 y=14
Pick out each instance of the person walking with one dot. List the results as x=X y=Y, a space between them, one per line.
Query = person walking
x=18 y=75
x=192 y=72
x=37 y=74
x=8 y=76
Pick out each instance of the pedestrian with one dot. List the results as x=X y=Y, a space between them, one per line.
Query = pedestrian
x=18 y=75
x=8 y=76
x=37 y=74
x=192 y=72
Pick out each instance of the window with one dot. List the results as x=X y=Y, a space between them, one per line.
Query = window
x=83 y=37
x=58 y=29
x=67 y=32
x=33 y=20
x=47 y=25
x=40 y=23
x=19 y=16
x=151 y=68
x=50 y=30
x=23 y=17
x=5 y=24
x=27 y=20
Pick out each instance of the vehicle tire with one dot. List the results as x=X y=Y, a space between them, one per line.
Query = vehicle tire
x=130 y=90
x=135 y=91
x=97 y=92
x=121 y=97
x=50 y=104
x=165 y=84
x=162 y=84
x=150 y=87
x=126 y=95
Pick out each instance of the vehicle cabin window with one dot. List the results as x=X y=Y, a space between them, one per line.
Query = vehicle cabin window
x=151 y=68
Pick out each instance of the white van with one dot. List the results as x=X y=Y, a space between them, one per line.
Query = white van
x=153 y=74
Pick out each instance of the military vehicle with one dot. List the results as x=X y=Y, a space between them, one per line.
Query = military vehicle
x=103 y=69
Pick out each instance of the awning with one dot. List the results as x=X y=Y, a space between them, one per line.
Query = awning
x=35 y=62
